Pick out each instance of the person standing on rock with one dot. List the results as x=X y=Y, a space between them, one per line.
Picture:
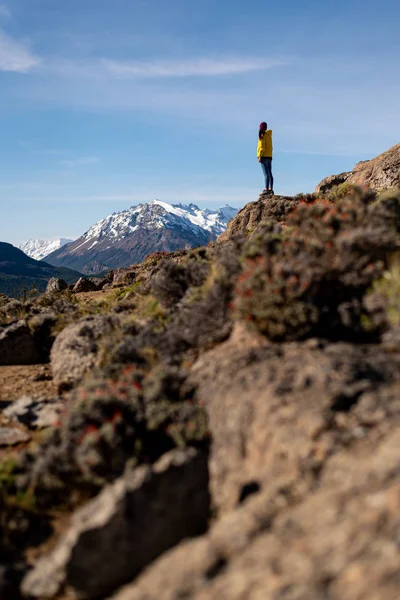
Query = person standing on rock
x=264 y=155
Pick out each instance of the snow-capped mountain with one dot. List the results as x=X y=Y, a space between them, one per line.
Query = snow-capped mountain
x=39 y=249
x=127 y=237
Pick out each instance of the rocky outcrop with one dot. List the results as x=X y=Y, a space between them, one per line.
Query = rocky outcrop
x=335 y=539
x=269 y=364
x=78 y=348
x=126 y=527
x=267 y=208
x=380 y=173
x=303 y=475
x=299 y=403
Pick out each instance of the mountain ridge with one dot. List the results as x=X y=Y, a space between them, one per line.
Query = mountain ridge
x=128 y=236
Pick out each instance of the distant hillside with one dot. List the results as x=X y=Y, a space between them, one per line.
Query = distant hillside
x=127 y=237
x=19 y=272
x=39 y=249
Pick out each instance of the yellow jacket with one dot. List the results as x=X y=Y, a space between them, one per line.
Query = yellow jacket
x=264 y=148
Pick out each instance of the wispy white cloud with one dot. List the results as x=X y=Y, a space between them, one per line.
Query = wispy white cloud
x=197 y=67
x=80 y=162
x=16 y=56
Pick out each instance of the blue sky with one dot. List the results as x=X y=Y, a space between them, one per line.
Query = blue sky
x=109 y=103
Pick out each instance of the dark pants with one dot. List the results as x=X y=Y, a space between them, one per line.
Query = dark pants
x=266 y=164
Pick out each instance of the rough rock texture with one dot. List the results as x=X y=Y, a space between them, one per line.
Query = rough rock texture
x=99 y=282
x=304 y=473
x=17 y=346
x=78 y=348
x=380 y=173
x=337 y=540
x=133 y=418
x=11 y=437
x=274 y=357
x=35 y=414
x=56 y=285
x=84 y=285
x=267 y=208
x=298 y=403
x=311 y=277
x=127 y=526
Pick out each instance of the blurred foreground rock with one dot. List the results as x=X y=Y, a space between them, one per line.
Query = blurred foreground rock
x=127 y=526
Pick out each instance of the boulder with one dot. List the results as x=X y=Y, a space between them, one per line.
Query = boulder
x=56 y=285
x=78 y=348
x=276 y=411
x=380 y=173
x=99 y=282
x=84 y=285
x=127 y=526
x=17 y=346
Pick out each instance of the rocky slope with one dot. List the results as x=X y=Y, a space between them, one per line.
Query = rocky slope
x=380 y=173
x=39 y=249
x=19 y=272
x=223 y=423
x=129 y=236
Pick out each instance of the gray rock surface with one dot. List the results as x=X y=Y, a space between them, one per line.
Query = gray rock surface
x=380 y=173
x=11 y=437
x=267 y=208
x=276 y=411
x=304 y=475
x=35 y=414
x=56 y=285
x=335 y=539
x=84 y=285
x=78 y=348
x=17 y=346
x=128 y=525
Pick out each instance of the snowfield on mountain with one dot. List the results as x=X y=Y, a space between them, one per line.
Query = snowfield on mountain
x=129 y=236
x=39 y=249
